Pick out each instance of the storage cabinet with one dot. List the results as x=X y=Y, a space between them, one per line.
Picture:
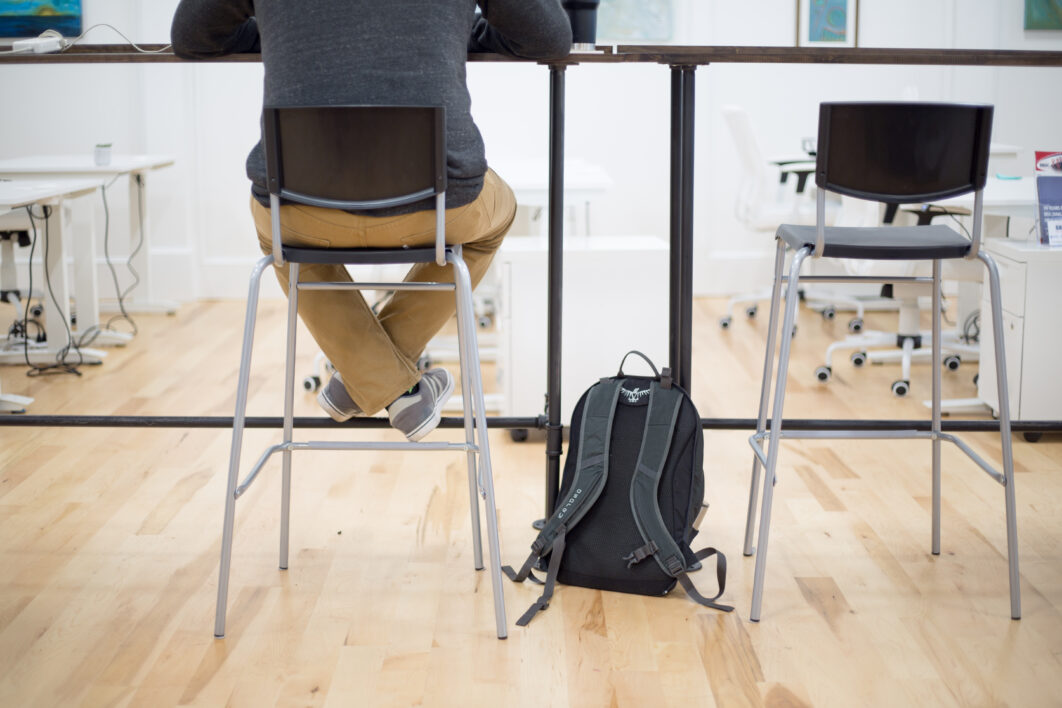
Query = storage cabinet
x=615 y=300
x=1031 y=291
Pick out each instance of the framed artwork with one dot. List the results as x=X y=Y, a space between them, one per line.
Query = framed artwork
x=1043 y=14
x=28 y=18
x=624 y=21
x=827 y=23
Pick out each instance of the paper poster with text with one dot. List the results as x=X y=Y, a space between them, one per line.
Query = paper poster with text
x=1049 y=196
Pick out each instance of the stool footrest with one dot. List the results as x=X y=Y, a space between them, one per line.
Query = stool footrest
x=756 y=441
x=339 y=445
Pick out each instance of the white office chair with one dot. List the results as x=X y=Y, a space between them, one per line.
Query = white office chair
x=770 y=194
x=908 y=343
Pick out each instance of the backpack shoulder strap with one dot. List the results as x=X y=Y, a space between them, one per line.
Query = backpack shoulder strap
x=591 y=473
x=660 y=420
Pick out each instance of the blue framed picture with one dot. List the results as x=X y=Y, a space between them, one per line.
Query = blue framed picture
x=28 y=18
x=827 y=23
x=1043 y=14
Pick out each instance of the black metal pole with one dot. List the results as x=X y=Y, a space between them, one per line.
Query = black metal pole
x=686 y=232
x=273 y=422
x=554 y=426
x=675 y=308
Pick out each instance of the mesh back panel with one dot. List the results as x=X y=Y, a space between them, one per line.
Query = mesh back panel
x=903 y=152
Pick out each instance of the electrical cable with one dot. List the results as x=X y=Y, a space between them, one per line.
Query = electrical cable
x=61 y=366
x=129 y=261
x=131 y=42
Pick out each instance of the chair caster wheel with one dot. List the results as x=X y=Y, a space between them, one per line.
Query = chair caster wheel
x=423 y=363
x=823 y=373
x=518 y=434
x=750 y=311
x=859 y=358
x=36 y=310
x=329 y=369
x=828 y=312
x=900 y=388
x=724 y=323
x=855 y=325
x=311 y=383
x=484 y=322
x=951 y=363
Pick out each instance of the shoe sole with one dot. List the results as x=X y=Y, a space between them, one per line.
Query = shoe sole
x=326 y=403
x=433 y=422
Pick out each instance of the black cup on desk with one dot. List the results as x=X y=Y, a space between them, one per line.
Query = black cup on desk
x=583 y=17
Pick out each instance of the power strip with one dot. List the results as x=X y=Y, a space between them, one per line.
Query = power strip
x=38 y=45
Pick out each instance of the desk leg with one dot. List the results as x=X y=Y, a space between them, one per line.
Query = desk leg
x=140 y=297
x=554 y=425
x=55 y=290
x=681 y=299
x=86 y=290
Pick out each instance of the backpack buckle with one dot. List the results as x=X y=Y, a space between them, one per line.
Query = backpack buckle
x=639 y=554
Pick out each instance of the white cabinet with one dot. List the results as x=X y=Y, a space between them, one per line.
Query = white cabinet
x=615 y=300
x=1031 y=291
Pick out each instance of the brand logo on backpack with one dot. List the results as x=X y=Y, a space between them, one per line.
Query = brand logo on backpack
x=567 y=505
x=635 y=396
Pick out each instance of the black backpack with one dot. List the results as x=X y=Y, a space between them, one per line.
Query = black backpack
x=632 y=489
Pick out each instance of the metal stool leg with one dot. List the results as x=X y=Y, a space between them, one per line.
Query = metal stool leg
x=466 y=361
x=237 y=443
x=464 y=286
x=289 y=406
x=765 y=393
x=937 y=364
x=776 y=428
x=1004 y=433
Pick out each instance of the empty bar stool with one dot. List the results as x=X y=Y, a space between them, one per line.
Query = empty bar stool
x=896 y=153
x=361 y=158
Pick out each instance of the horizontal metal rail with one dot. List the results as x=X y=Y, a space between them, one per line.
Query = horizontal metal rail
x=21 y=420
x=331 y=445
x=375 y=286
x=756 y=442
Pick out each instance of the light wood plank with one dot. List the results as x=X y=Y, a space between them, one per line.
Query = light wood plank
x=109 y=540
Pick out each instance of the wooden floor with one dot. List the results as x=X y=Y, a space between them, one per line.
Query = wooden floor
x=109 y=546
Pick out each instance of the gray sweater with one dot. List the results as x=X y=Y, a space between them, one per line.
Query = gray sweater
x=375 y=52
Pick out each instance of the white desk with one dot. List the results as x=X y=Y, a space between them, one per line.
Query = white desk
x=529 y=179
x=136 y=167
x=1002 y=197
x=14 y=195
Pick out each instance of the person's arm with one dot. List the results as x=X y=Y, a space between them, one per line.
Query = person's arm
x=528 y=29
x=203 y=29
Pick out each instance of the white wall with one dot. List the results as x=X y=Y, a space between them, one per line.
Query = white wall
x=617 y=116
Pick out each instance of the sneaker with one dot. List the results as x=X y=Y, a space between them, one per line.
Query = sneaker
x=418 y=412
x=336 y=401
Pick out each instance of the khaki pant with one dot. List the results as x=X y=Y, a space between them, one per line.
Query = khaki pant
x=377 y=355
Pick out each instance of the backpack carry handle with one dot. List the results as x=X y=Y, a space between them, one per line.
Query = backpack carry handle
x=656 y=374
x=664 y=378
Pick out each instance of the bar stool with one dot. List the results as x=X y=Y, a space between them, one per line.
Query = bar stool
x=896 y=153
x=361 y=158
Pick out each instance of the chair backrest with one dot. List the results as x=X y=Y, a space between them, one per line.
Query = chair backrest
x=901 y=153
x=355 y=157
